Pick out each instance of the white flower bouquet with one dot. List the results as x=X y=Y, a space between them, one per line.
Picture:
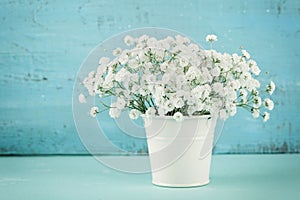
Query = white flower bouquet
x=174 y=77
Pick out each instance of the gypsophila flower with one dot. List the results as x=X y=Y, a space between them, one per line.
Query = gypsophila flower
x=168 y=106
x=254 y=68
x=117 y=51
x=245 y=54
x=94 y=110
x=81 y=98
x=255 y=113
x=178 y=102
x=150 y=111
x=266 y=116
x=211 y=38
x=120 y=104
x=173 y=76
x=243 y=92
x=256 y=102
x=104 y=60
x=128 y=40
x=134 y=114
x=268 y=103
x=223 y=114
x=178 y=116
x=123 y=59
x=270 y=88
x=215 y=71
x=114 y=112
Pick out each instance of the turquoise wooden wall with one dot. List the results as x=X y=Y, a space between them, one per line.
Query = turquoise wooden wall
x=43 y=43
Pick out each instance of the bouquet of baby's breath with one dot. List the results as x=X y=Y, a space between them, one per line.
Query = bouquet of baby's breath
x=174 y=77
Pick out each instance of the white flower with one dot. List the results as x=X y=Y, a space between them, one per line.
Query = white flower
x=207 y=90
x=177 y=75
x=243 y=67
x=230 y=108
x=246 y=76
x=94 y=110
x=133 y=63
x=243 y=92
x=82 y=98
x=235 y=84
x=151 y=79
x=178 y=102
x=266 y=116
x=159 y=54
x=104 y=60
x=191 y=73
x=134 y=114
x=161 y=111
x=117 y=51
x=183 y=62
x=121 y=75
x=197 y=91
x=178 y=116
x=223 y=114
x=252 y=84
x=163 y=67
x=231 y=95
x=205 y=74
x=158 y=90
x=186 y=40
x=215 y=71
x=128 y=40
x=255 y=113
x=193 y=47
x=256 y=102
x=143 y=38
x=245 y=54
x=92 y=74
x=269 y=104
x=256 y=83
x=150 y=111
x=152 y=42
x=179 y=39
x=168 y=106
x=120 y=104
x=123 y=59
x=114 y=112
x=244 y=100
x=254 y=68
x=236 y=58
x=164 y=44
x=232 y=111
x=217 y=87
x=166 y=78
x=270 y=88
x=211 y=38
x=191 y=110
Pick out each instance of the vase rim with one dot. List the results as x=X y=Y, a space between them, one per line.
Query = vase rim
x=184 y=117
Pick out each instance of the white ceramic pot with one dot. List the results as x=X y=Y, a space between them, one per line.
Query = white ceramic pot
x=180 y=152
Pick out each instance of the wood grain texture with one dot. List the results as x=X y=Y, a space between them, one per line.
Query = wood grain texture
x=43 y=43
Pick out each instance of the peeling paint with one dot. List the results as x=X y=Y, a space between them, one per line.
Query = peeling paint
x=266 y=148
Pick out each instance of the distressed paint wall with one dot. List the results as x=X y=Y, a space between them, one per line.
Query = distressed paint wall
x=43 y=43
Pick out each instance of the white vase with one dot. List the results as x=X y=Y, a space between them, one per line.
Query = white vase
x=180 y=152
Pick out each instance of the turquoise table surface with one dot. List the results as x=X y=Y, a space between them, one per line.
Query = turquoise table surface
x=83 y=177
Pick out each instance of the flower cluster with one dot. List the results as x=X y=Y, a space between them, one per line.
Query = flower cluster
x=174 y=77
